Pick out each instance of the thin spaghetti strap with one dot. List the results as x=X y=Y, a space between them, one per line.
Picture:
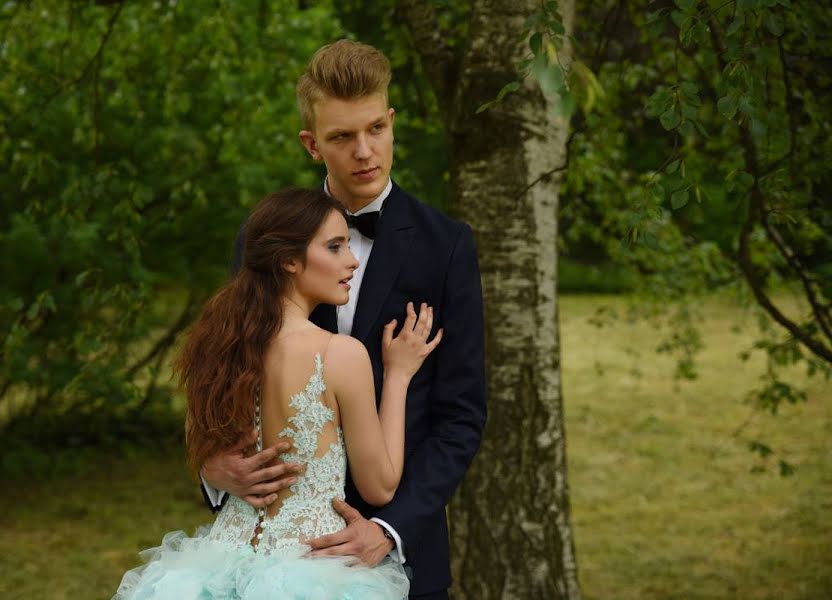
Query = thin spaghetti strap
x=326 y=348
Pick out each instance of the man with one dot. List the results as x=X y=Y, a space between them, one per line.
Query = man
x=407 y=252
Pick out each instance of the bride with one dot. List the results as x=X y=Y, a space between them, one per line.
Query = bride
x=253 y=358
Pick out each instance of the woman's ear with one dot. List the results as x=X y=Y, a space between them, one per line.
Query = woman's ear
x=291 y=266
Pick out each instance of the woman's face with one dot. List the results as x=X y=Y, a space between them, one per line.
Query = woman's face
x=324 y=279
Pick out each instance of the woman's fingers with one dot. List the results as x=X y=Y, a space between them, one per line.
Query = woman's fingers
x=410 y=321
x=435 y=341
x=387 y=335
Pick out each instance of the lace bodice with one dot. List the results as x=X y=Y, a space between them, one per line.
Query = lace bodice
x=307 y=513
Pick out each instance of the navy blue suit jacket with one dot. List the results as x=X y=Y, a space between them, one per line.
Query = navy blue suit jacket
x=421 y=255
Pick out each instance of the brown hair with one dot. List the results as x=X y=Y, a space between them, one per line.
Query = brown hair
x=345 y=70
x=222 y=360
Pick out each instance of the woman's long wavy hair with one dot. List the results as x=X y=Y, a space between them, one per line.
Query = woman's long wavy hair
x=222 y=360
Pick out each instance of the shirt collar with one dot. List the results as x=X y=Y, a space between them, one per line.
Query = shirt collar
x=375 y=205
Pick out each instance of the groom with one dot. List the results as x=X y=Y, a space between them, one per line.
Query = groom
x=407 y=251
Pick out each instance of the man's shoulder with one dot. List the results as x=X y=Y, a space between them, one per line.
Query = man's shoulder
x=424 y=213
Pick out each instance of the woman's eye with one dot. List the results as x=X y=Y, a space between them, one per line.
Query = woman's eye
x=334 y=247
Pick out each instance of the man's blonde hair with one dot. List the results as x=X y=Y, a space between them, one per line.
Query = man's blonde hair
x=345 y=70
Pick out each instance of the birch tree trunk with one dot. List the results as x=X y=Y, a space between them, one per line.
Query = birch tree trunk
x=510 y=526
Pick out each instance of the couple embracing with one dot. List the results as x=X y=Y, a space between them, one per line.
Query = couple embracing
x=335 y=385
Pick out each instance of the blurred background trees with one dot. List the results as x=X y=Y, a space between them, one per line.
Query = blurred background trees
x=134 y=137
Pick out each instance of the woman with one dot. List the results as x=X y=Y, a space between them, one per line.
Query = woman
x=253 y=357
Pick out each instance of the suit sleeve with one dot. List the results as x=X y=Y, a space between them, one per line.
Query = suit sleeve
x=458 y=408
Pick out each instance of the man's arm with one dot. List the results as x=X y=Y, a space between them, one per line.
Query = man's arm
x=458 y=409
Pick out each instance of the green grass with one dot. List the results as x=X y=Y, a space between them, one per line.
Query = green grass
x=664 y=503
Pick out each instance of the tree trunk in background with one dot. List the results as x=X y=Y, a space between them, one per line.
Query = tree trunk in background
x=510 y=526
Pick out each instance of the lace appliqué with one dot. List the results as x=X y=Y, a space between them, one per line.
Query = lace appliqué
x=308 y=512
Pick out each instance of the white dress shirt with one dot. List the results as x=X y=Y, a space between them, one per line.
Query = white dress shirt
x=361 y=247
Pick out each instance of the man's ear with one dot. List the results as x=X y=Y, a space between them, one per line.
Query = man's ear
x=307 y=138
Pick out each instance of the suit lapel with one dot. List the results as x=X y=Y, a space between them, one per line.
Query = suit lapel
x=390 y=248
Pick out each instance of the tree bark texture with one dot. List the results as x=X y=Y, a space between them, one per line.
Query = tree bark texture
x=510 y=526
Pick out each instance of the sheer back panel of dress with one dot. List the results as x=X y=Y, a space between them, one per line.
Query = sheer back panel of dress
x=289 y=366
x=295 y=404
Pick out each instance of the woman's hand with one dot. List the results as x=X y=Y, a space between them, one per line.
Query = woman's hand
x=403 y=355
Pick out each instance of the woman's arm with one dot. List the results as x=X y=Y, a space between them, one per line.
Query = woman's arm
x=375 y=439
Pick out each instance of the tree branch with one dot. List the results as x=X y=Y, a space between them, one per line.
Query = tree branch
x=162 y=345
x=95 y=60
x=756 y=214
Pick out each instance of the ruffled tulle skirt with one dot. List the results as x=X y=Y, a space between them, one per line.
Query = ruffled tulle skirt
x=198 y=568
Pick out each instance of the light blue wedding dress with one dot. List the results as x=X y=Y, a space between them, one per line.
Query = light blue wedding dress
x=220 y=561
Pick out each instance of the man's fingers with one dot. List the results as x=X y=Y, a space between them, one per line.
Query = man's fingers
x=345 y=510
x=262 y=458
x=339 y=550
x=267 y=455
x=260 y=501
x=333 y=539
x=281 y=471
x=270 y=487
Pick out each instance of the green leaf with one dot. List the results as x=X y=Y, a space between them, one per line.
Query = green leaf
x=671 y=168
x=689 y=88
x=686 y=129
x=659 y=102
x=658 y=192
x=551 y=81
x=567 y=105
x=508 y=88
x=727 y=106
x=539 y=65
x=483 y=107
x=786 y=469
x=532 y=20
x=735 y=26
x=775 y=25
x=556 y=27
x=536 y=43
x=760 y=448
x=685 y=5
x=670 y=119
x=679 y=198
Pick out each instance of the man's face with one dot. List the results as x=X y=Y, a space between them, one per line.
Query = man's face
x=354 y=138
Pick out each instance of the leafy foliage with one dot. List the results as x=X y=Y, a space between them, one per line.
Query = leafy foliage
x=133 y=139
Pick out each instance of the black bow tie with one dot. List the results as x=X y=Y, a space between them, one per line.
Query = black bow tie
x=366 y=223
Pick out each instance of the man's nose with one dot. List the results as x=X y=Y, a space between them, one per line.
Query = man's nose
x=362 y=147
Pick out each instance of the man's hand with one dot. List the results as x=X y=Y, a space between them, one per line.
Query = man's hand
x=256 y=478
x=360 y=538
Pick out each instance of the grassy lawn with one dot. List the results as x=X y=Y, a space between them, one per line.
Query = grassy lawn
x=664 y=501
